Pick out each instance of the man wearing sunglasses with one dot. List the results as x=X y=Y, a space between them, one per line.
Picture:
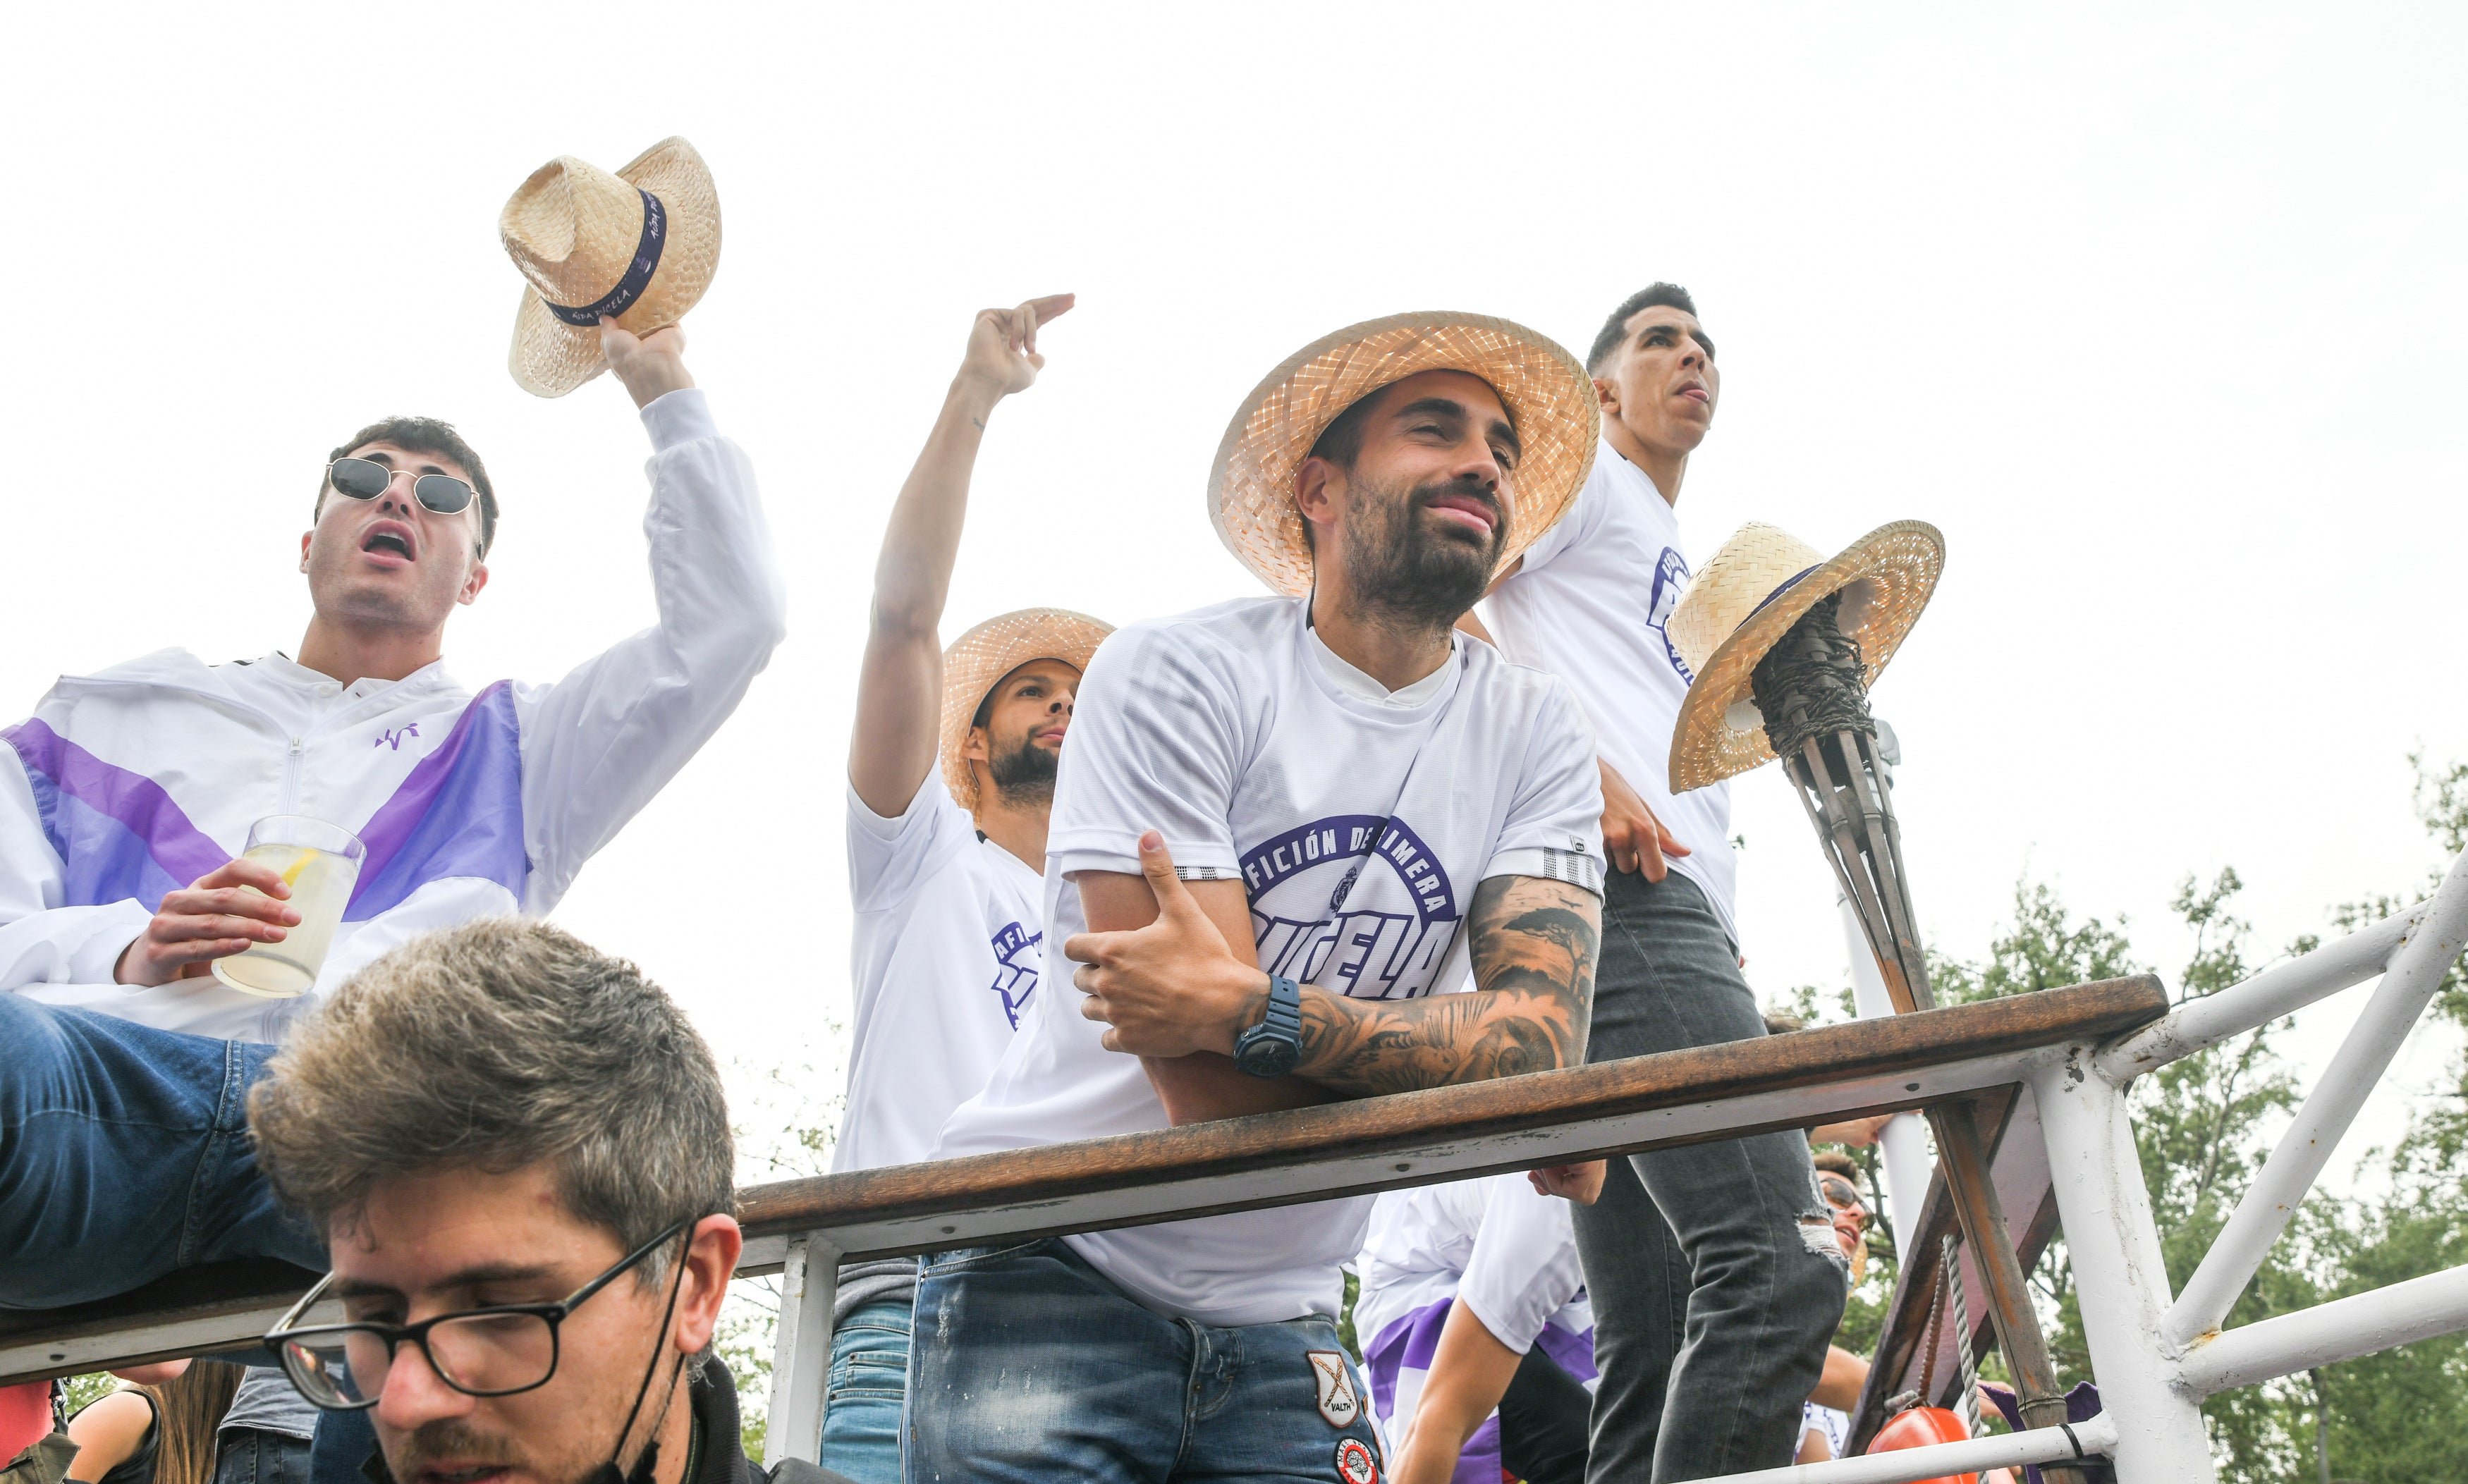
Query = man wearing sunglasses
x=135 y=789
x=517 y=1152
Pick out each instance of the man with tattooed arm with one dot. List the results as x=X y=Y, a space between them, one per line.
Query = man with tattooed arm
x=1287 y=832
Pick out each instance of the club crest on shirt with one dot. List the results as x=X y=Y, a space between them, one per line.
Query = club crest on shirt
x=1018 y=955
x=1339 y=1400
x=1357 y=903
x=1670 y=576
x=1354 y=1464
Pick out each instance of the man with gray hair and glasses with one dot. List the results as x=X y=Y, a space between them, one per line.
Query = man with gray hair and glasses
x=517 y=1152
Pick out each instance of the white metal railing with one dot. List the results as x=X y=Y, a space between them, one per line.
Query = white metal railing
x=2154 y=1359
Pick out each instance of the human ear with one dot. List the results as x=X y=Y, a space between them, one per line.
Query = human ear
x=306 y=536
x=710 y=1260
x=473 y=584
x=1318 y=485
x=977 y=747
x=1606 y=392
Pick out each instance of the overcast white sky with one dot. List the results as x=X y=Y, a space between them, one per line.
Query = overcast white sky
x=2156 y=313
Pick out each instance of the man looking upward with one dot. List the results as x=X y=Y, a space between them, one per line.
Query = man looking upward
x=1710 y=1384
x=1287 y=826
x=134 y=789
x=950 y=780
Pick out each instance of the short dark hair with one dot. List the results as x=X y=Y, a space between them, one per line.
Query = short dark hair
x=430 y=435
x=1651 y=295
x=1340 y=442
x=1832 y=1162
x=496 y=1045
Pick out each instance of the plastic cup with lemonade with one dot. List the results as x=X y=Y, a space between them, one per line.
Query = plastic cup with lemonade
x=320 y=862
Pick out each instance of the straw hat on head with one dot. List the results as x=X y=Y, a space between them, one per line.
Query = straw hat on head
x=639 y=245
x=1757 y=586
x=1547 y=394
x=993 y=650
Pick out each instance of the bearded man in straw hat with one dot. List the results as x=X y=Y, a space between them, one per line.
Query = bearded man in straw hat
x=1283 y=830
x=950 y=781
x=1711 y=1384
x=137 y=788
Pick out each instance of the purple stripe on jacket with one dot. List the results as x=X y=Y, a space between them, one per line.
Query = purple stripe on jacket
x=118 y=833
x=460 y=813
x=1407 y=1344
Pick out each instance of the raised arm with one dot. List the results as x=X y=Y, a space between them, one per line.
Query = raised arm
x=900 y=680
x=1171 y=989
x=601 y=743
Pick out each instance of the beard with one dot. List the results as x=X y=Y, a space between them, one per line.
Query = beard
x=447 y=1437
x=1024 y=775
x=1408 y=573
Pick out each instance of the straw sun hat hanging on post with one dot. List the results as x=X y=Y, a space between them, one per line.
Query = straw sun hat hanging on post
x=1785 y=642
x=639 y=245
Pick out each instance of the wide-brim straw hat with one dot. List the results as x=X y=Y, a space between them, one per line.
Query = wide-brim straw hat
x=1548 y=396
x=993 y=650
x=639 y=245
x=1761 y=582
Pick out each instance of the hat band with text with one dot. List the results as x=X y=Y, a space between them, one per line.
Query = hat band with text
x=638 y=273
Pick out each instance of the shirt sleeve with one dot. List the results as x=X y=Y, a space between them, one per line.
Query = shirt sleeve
x=1156 y=742
x=599 y=743
x=42 y=942
x=1524 y=1267
x=890 y=859
x=1554 y=828
x=1585 y=513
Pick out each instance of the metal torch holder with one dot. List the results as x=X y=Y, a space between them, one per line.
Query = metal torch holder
x=1849 y=799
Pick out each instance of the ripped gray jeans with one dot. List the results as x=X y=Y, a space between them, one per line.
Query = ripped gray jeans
x=1713 y=1300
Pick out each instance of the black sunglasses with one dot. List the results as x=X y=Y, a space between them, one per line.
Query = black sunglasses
x=494 y=1352
x=365 y=479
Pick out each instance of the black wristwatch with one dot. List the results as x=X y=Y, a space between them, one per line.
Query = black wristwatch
x=1273 y=1047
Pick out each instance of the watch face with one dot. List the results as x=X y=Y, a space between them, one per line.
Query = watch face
x=1267 y=1055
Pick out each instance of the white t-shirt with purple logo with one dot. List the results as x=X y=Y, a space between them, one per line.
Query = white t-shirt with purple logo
x=1590 y=605
x=1359 y=827
x=948 y=945
x=1496 y=1246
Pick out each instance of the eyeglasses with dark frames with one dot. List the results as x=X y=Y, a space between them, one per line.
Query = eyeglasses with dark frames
x=499 y=1351
x=365 y=479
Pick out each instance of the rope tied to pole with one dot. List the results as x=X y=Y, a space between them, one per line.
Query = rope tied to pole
x=1810 y=685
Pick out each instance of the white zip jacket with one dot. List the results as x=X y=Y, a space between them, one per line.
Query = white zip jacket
x=143 y=778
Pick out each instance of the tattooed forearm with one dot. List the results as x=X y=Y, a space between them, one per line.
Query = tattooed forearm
x=1534 y=946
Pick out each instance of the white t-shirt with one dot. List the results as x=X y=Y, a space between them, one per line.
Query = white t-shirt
x=1833 y=1426
x=950 y=941
x=1359 y=829
x=1590 y=605
x=1493 y=1245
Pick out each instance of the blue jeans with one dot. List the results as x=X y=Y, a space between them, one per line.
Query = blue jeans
x=125 y=1154
x=868 y=1384
x=252 y=1455
x=1029 y=1365
x=344 y=1442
